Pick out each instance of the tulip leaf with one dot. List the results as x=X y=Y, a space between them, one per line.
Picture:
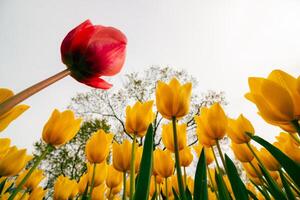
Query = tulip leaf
x=222 y=189
x=238 y=188
x=253 y=196
x=200 y=187
x=286 y=186
x=143 y=182
x=188 y=194
x=176 y=197
x=153 y=196
x=273 y=187
x=2 y=186
x=290 y=166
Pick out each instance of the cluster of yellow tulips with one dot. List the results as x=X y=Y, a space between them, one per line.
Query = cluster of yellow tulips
x=125 y=170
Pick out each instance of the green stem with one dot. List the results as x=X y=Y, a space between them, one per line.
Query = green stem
x=167 y=192
x=291 y=181
x=212 y=183
x=132 y=168
x=217 y=163
x=296 y=125
x=221 y=154
x=184 y=175
x=48 y=149
x=14 y=100
x=93 y=182
x=258 y=174
x=177 y=164
x=295 y=138
x=23 y=195
x=124 y=186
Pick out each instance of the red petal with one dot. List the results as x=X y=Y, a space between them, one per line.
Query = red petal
x=96 y=82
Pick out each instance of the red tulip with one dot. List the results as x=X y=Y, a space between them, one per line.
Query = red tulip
x=91 y=51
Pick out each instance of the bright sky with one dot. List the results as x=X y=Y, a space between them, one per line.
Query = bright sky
x=220 y=42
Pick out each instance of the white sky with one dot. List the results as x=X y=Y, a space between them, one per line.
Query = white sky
x=221 y=42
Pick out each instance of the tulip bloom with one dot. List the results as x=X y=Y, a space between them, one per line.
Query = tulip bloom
x=100 y=173
x=167 y=187
x=98 y=192
x=242 y=152
x=202 y=134
x=122 y=156
x=13 y=161
x=60 y=128
x=277 y=111
x=64 y=188
x=91 y=51
x=166 y=168
x=208 y=153
x=114 y=177
x=213 y=121
x=268 y=160
x=97 y=147
x=139 y=117
x=37 y=194
x=12 y=114
x=173 y=99
x=168 y=139
x=185 y=157
x=33 y=181
x=4 y=145
x=83 y=183
x=237 y=130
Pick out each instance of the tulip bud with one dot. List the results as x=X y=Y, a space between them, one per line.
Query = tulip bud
x=185 y=157
x=268 y=160
x=114 y=177
x=168 y=139
x=166 y=168
x=208 y=153
x=173 y=99
x=139 y=117
x=13 y=161
x=169 y=187
x=64 y=188
x=60 y=128
x=37 y=194
x=100 y=173
x=91 y=51
x=83 y=183
x=97 y=147
x=32 y=182
x=122 y=156
x=237 y=130
x=12 y=114
x=242 y=152
x=4 y=145
x=98 y=192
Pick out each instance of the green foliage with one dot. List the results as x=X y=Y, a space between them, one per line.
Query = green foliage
x=69 y=160
x=200 y=187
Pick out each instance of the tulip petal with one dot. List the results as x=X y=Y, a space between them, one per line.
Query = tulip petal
x=96 y=82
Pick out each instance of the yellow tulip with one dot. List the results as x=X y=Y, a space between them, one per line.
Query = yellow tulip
x=64 y=188
x=291 y=150
x=37 y=194
x=114 y=177
x=117 y=189
x=166 y=168
x=211 y=195
x=208 y=153
x=242 y=152
x=32 y=182
x=268 y=160
x=4 y=145
x=174 y=183
x=286 y=137
x=264 y=94
x=237 y=130
x=251 y=171
x=82 y=184
x=138 y=158
x=139 y=117
x=202 y=134
x=159 y=179
x=168 y=139
x=173 y=99
x=152 y=186
x=212 y=177
x=13 y=161
x=190 y=184
x=97 y=147
x=185 y=157
x=19 y=196
x=122 y=156
x=8 y=183
x=227 y=183
x=98 y=192
x=60 y=128
x=8 y=117
x=100 y=173
x=169 y=187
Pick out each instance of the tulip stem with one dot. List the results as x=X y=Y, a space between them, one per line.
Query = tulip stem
x=93 y=181
x=292 y=183
x=48 y=149
x=212 y=183
x=166 y=187
x=132 y=168
x=184 y=175
x=177 y=161
x=124 y=186
x=217 y=163
x=221 y=154
x=16 y=99
x=296 y=125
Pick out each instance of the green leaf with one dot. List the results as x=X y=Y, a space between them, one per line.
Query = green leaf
x=200 y=187
x=238 y=188
x=143 y=182
x=188 y=194
x=290 y=166
x=176 y=197
x=253 y=196
x=286 y=186
x=154 y=196
x=222 y=189
x=2 y=186
x=273 y=187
